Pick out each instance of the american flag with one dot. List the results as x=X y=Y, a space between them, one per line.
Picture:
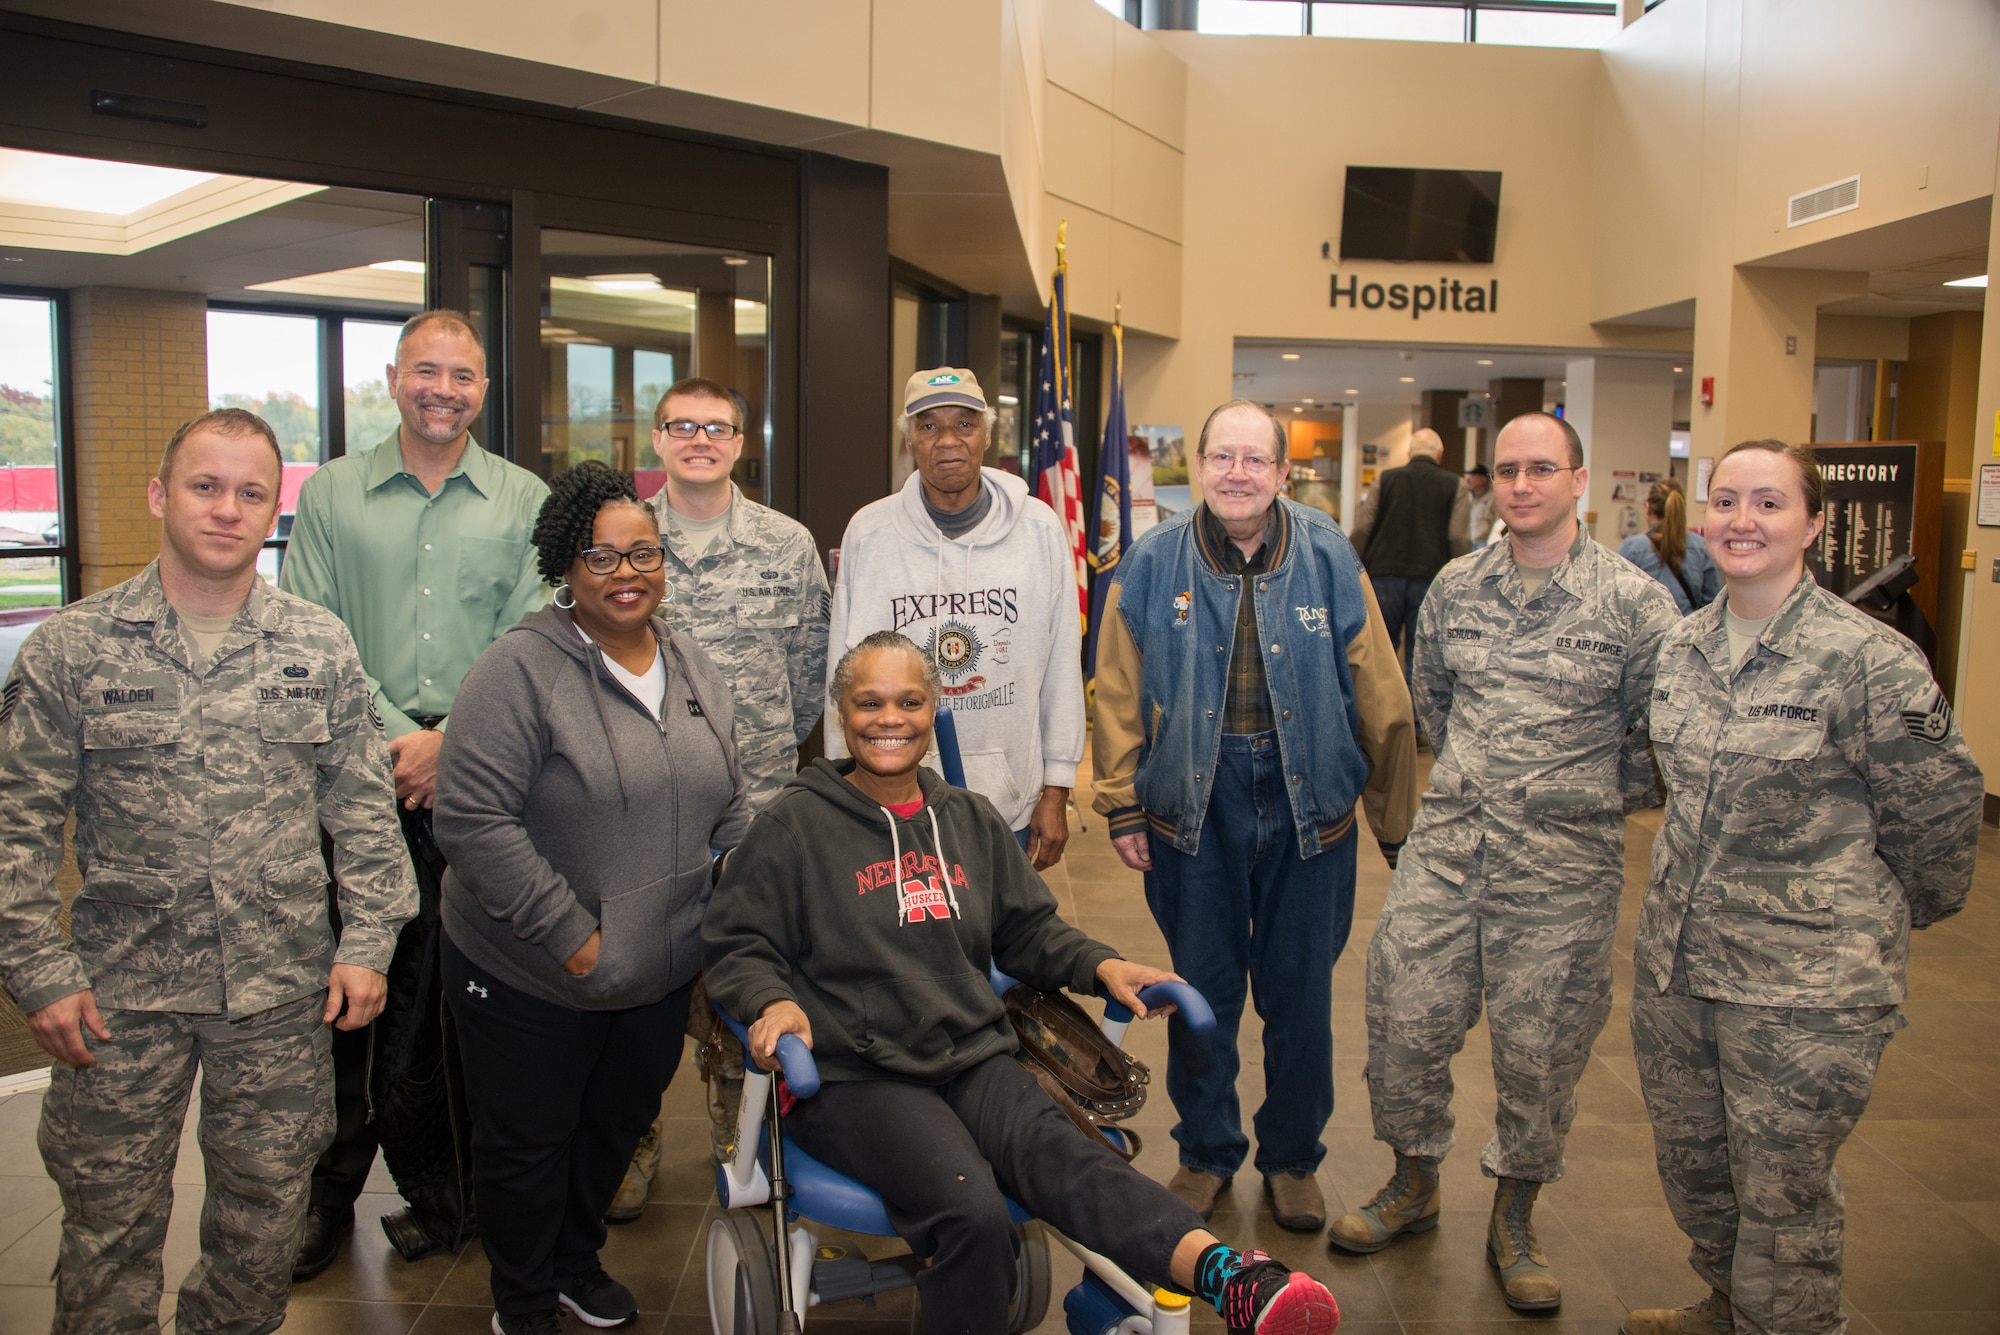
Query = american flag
x=1053 y=463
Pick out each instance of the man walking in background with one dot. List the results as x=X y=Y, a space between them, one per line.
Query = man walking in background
x=1408 y=527
x=420 y=545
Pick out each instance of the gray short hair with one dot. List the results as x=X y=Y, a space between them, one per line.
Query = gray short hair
x=843 y=672
x=1428 y=443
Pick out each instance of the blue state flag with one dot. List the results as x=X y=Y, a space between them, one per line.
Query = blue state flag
x=1112 y=531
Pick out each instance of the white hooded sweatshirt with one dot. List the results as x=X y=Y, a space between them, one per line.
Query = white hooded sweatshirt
x=996 y=610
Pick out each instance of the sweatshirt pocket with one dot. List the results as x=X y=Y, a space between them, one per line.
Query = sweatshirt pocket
x=632 y=954
x=991 y=775
x=914 y=1025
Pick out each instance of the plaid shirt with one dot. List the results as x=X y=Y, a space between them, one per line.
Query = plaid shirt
x=1247 y=704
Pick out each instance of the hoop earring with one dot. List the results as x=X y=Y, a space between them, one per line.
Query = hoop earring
x=562 y=592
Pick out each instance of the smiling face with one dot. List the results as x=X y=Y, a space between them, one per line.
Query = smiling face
x=1241 y=472
x=946 y=444
x=616 y=606
x=886 y=714
x=217 y=505
x=438 y=382
x=1758 y=525
x=1536 y=509
x=699 y=462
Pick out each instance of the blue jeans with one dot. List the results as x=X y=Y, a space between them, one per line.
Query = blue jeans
x=1399 y=597
x=1248 y=904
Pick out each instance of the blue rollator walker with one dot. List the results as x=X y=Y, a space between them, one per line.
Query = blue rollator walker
x=758 y=1288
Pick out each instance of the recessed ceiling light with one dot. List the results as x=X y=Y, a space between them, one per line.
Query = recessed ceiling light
x=1305 y=400
x=1350 y=391
x=399 y=266
x=625 y=282
x=1288 y=356
x=1407 y=379
x=1298 y=410
x=734 y=260
x=89 y=185
x=1679 y=369
x=1977 y=280
x=1484 y=361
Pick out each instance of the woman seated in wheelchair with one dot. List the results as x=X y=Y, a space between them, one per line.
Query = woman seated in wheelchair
x=861 y=913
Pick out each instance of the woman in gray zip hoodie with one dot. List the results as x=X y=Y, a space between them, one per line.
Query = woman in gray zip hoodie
x=588 y=771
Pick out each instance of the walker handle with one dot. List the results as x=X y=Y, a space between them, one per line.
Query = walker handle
x=1193 y=1006
x=795 y=1059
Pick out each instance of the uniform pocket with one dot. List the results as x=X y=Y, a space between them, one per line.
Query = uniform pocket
x=1806 y=1282
x=1466 y=655
x=1560 y=797
x=123 y=920
x=767 y=614
x=1799 y=898
x=295 y=908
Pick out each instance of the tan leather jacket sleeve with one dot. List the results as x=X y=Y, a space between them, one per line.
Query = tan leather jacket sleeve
x=1119 y=731
x=1388 y=734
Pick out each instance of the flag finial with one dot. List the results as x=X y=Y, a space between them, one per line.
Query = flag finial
x=1062 y=244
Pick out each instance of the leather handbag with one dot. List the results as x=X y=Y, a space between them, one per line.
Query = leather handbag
x=1093 y=1080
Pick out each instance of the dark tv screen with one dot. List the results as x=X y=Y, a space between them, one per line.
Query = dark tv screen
x=1416 y=213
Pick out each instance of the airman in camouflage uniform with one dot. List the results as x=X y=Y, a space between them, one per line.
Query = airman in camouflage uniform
x=1507 y=891
x=1821 y=803
x=199 y=784
x=757 y=604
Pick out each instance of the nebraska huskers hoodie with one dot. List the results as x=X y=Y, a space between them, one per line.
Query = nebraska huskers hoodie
x=996 y=610
x=882 y=927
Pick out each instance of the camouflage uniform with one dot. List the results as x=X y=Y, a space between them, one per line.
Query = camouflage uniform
x=1820 y=803
x=201 y=928
x=757 y=605
x=1509 y=884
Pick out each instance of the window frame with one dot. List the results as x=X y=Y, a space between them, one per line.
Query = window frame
x=68 y=552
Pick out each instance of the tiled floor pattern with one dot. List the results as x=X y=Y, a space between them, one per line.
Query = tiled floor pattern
x=1922 y=1174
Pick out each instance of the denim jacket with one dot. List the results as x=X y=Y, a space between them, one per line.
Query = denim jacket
x=1337 y=695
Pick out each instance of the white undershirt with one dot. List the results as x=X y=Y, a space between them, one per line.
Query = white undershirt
x=650 y=686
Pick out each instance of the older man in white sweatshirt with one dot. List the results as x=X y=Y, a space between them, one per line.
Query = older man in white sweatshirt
x=970 y=566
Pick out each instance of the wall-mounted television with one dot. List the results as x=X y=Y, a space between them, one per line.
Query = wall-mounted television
x=1419 y=213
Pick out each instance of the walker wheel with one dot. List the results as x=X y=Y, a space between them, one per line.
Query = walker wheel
x=743 y=1276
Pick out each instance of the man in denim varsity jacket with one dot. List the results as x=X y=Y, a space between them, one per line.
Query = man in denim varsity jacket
x=1247 y=697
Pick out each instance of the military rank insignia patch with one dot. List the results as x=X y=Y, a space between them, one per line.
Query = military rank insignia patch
x=374 y=714
x=9 y=697
x=1928 y=717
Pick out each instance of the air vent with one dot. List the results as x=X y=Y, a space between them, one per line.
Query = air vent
x=1840 y=197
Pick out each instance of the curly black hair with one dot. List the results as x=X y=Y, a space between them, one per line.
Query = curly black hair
x=570 y=513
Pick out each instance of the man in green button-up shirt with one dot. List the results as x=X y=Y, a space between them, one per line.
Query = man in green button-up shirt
x=421 y=546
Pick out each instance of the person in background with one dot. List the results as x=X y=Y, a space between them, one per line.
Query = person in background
x=1821 y=803
x=746 y=584
x=965 y=562
x=1669 y=553
x=1478 y=484
x=590 y=772
x=1248 y=701
x=1534 y=670
x=203 y=729
x=1413 y=522
x=420 y=546
x=922 y=1098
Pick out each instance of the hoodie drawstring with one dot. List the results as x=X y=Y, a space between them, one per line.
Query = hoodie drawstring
x=896 y=861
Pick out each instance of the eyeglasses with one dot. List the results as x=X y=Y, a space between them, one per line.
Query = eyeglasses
x=1254 y=465
x=965 y=428
x=606 y=560
x=682 y=429
x=1533 y=472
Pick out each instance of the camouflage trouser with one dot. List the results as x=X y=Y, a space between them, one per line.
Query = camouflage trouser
x=1539 y=957
x=109 y=1137
x=1749 y=1106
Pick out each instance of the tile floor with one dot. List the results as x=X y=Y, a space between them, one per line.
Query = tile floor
x=1922 y=1174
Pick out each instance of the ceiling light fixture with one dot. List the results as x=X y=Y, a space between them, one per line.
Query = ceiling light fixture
x=1298 y=410
x=399 y=266
x=1350 y=391
x=89 y=185
x=1484 y=361
x=1305 y=400
x=1977 y=280
x=625 y=282
x=734 y=260
x=1288 y=356
x=1679 y=369
x=1407 y=379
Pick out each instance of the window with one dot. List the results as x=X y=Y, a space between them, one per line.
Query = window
x=1407 y=23
x=34 y=539
x=1585 y=23
x=367 y=350
x=270 y=365
x=1515 y=27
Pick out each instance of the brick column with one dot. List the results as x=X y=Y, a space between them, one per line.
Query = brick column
x=138 y=369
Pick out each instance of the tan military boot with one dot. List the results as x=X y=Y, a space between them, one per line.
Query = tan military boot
x=1710 y=1316
x=1525 y=1280
x=1408 y=1204
x=630 y=1202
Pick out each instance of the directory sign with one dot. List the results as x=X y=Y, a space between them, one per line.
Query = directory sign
x=1871 y=510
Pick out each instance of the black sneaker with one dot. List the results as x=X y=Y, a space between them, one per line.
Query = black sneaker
x=548 y=1321
x=598 y=1300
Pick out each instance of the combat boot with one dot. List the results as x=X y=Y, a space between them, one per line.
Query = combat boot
x=630 y=1202
x=1408 y=1204
x=1710 y=1316
x=1525 y=1280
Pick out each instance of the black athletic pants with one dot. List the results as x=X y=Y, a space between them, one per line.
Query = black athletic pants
x=559 y=1099
x=943 y=1156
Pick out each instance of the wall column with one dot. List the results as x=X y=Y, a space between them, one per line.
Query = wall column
x=1754 y=334
x=139 y=369
x=1623 y=407
x=1979 y=627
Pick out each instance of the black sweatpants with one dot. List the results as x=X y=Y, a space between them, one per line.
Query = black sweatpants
x=943 y=1156
x=559 y=1099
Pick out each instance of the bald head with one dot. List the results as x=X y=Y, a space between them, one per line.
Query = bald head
x=1546 y=428
x=1426 y=443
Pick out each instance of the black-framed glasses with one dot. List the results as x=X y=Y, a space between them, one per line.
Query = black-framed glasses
x=606 y=560
x=1533 y=472
x=682 y=429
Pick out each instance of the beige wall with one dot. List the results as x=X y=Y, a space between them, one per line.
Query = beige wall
x=1979 y=636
